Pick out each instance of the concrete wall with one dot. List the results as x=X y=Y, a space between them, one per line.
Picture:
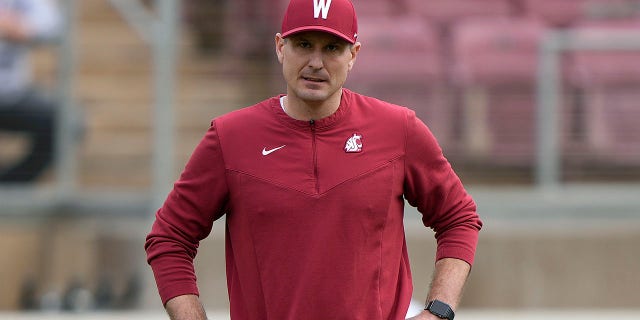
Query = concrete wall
x=539 y=266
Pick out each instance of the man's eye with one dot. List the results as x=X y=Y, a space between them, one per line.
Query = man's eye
x=304 y=44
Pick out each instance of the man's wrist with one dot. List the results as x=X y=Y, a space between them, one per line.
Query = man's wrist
x=185 y=307
x=440 y=309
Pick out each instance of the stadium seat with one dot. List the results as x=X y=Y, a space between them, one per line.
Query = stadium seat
x=445 y=14
x=249 y=26
x=610 y=84
x=408 y=48
x=564 y=13
x=375 y=8
x=496 y=51
x=495 y=70
x=399 y=62
x=449 y=11
x=611 y=121
x=606 y=67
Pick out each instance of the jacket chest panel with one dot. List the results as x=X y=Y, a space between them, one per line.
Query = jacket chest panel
x=312 y=161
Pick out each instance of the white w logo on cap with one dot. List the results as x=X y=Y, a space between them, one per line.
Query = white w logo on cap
x=319 y=5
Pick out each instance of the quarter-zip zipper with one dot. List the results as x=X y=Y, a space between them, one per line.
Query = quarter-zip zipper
x=312 y=124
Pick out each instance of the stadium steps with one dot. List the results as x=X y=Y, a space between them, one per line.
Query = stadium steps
x=114 y=88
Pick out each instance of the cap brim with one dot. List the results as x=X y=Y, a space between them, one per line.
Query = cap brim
x=322 y=29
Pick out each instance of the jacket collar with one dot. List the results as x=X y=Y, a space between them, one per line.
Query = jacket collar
x=319 y=124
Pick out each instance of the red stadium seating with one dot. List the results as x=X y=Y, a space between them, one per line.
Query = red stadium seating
x=608 y=67
x=496 y=61
x=610 y=83
x=249 y=26
x=399 y=62
x=611 y=122
x=496 y=51
x=563 y=13
x=375 y=8
x=392 y=48
x=448 y=11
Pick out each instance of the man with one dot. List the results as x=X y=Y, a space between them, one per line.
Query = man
x=313 y=185
x=24 y=23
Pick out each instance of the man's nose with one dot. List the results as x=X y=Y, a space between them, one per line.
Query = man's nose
x=315 y=60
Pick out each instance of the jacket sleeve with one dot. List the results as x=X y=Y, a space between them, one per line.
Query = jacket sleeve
x=433 y=187
x=198 y=199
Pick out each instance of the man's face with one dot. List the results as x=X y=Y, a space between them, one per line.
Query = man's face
x=315 y=64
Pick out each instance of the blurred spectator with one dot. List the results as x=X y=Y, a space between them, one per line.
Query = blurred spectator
x=23 y=108
x=28 y=294
x=77 y=297
x=104 y=295
x=132 y=291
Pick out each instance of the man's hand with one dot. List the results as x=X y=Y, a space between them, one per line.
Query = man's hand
x=185 y=307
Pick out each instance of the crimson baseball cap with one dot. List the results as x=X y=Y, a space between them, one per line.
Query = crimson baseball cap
x=337 y=17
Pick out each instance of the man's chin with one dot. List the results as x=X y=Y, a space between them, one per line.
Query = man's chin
x=313 y=95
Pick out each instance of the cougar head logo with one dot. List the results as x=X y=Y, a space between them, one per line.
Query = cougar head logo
x=354 y=143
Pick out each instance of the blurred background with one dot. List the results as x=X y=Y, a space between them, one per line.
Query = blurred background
x=536 y=103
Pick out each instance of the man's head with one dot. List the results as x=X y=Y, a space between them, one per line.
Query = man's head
x=317 y=47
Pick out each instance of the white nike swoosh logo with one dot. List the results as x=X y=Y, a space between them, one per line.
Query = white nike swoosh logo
x=267 y=152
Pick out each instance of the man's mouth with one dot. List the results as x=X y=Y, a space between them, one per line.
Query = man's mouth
x=312 y=79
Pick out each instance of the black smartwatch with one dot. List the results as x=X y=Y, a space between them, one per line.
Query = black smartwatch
x=440 y=309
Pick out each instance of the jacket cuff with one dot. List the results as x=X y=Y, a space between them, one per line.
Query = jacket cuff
x=173 y=279
x=455 y=252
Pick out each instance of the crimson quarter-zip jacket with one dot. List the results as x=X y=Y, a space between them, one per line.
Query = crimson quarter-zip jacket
x=314 y=211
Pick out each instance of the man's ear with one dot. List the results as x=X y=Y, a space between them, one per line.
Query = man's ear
x=279 y=42
x=355 y=48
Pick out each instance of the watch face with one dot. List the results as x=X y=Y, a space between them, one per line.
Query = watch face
x=440 y=309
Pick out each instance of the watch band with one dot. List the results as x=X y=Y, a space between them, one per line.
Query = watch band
x=440 y=309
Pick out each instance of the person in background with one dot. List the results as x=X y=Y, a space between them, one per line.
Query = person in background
x=313 y=185
x=24 y=108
